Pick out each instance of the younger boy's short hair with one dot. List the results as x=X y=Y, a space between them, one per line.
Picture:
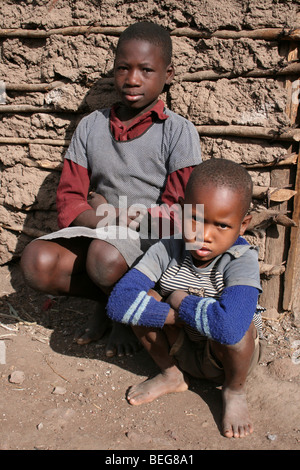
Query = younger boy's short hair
x=223 y=173
x=150 y=32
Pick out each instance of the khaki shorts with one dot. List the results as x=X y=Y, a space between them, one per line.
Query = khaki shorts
x=198 y=361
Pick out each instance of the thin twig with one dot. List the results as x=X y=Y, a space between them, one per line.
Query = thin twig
x=61 y=376
x=5 y=315
x=8 y=327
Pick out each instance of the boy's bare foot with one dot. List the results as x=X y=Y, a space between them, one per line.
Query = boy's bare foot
x=122 y=341
x=236 y=420
x=96 y=327
x=168 y=382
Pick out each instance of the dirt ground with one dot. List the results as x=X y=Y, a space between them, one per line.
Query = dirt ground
x=56 y=395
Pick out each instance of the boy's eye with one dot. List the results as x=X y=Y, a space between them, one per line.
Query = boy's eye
x=223 y=226
x=121 y=67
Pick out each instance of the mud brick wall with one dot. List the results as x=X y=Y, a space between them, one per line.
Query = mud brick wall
x=236 y=79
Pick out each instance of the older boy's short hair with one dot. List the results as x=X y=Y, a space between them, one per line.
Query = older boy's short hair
x=150 y=32
x=223 y=173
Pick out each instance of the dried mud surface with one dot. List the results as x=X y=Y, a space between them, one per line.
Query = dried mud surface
x=57 y=395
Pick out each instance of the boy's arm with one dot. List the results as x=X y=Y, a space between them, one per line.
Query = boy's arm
x=173 y=191
x=75 y=206
x=72 y=191
x=225 y=320
x=132 y=302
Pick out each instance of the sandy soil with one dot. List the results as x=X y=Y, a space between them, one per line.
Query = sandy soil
x=57 y=395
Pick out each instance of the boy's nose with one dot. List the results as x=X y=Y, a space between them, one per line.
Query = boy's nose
x=207 y=233
x=133 y=78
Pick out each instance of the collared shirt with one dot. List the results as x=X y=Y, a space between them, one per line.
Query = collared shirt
x=75 y=180
x=138 y=126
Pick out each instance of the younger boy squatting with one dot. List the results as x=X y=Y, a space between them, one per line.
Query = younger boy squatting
x=137 y=149
x=204 y=325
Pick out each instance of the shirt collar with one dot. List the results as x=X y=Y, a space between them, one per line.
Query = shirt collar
x=157 y=109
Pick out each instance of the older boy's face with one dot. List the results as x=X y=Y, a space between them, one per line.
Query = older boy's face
x=222 y=224
x=140 y=74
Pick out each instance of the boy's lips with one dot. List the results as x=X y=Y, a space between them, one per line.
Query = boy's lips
x=203 y=251
x=132 y=96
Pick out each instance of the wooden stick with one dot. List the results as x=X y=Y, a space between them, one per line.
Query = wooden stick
x=66 y=31
x=25 y=108
x=55 y=372
x=291 y=296
x=290 y=159
x=236 y=131
x=273 y=194
x=45 y=87
x=25 y=141
x=290 y=69
x=270 y=269
x=42 y=164
x=260 y=192
x=255 y=132
x=268 y=34
x=33 y=86
x=263 y=219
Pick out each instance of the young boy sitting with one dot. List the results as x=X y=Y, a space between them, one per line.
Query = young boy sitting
x=205 y=324
x=138 y=150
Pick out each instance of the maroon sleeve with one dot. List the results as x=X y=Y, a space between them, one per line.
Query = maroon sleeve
x=72 y=192
x=174 y=189
x=176 y=184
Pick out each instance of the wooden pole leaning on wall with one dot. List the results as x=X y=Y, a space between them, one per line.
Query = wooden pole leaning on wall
x=291 y=298
x=291 y=294
x=284 y=289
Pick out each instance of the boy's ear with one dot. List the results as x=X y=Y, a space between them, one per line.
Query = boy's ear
x=245 y=223
x=170 y=74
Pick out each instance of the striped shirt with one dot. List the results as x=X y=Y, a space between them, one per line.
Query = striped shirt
x=238 y=266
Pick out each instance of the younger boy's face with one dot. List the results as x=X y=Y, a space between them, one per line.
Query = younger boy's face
x=140 y=74
x=222 y=224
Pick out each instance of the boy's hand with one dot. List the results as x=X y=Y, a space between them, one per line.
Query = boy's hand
x=130 y=217
x=126 y=217
x=155 y=294
x=176 y=298
x=96 y=200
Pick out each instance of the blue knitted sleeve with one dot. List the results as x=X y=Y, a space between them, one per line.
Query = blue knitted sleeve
x=225 y=320
x=129 y=302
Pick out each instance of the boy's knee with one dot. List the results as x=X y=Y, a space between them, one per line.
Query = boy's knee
x=105 y=265
x=244 y=346
x=36 y=263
